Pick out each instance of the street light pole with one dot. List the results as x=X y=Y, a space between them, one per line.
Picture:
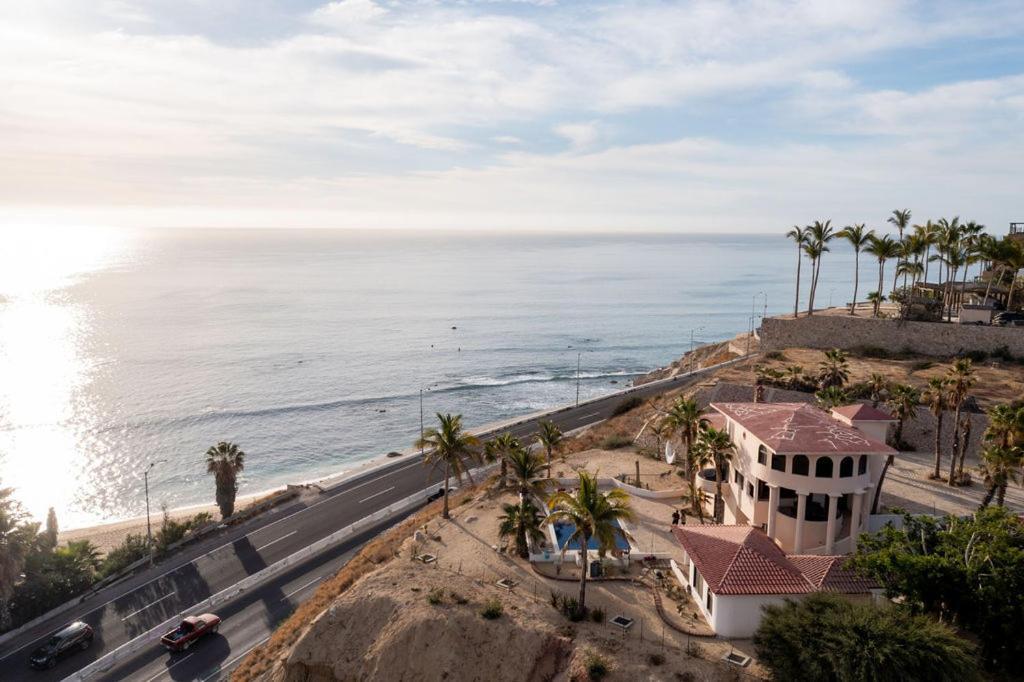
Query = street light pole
x=692 y=332
x=578 y=356
x=421 y=422
x=145 y=478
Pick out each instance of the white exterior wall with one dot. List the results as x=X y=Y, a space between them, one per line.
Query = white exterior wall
x=739 y=616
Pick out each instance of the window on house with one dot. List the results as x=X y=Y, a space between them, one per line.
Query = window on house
x=801 y=465
x=846 y=467
x=779 y=462
x=762 y=491
x=762 y=455
x=823 y=467
x=698 y=582
x=709 y=602
x=862 y=465
x=750 y=490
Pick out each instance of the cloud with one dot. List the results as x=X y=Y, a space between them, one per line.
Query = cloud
x=581 y=135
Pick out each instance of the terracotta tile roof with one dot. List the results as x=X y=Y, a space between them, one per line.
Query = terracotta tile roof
x=863 y=413
x=828 y=574
x=743 y=560
x=716 y=420
x=798 y=428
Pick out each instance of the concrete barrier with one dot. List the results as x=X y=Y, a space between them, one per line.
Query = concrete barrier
x=257 y=579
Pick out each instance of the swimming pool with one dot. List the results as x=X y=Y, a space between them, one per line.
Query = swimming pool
x=563 y=530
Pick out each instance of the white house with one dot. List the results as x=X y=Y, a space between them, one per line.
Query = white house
x=802 y=475
x=733 y=571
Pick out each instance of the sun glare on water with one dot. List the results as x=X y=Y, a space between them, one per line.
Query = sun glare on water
x=43 y=370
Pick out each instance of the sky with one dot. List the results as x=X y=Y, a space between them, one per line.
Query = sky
x=744 y=116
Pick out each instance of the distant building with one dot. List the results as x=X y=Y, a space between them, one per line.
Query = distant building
x=802 y=475
x=731 y=572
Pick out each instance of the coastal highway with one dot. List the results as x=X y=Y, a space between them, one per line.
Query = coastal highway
x=127 y=609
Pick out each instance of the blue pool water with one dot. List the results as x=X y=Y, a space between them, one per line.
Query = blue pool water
x=564 y=530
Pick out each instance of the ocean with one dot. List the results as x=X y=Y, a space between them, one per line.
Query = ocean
x=310 y=348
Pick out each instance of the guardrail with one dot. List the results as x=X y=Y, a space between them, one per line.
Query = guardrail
x=257 y=579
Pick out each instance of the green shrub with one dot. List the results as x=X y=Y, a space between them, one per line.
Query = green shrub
x=597 y=615
x=775 y=355
x=921 y=365
x=597 y=667
x=1003 y=353
x=616 y=441
x=873 y=352
x=556 y=599
x=131 y=549
x=492 y=610
x=975 y=355
x=435 y=596
x=630 y=403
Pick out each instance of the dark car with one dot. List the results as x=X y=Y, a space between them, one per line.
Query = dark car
x=190 y=631
x=75 y=637
x=1008 y=319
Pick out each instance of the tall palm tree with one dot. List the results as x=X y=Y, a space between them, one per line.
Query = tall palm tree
x=882 y=248
x=821 y=233
x=927 y=233
x=903 y=401
x=999 y=467
x=224 y=460
x=720 y=449
x=960 y=379
x=449 y=446
x=594 y=514
x=549 y=436
x=1005 y=425
x=831 y=397
x=1014 y=262
x=900 y=218
x=857 y=235
x=936 y=397
x=877 y=386
x=499 y=449
x=523 y=522
x=684 y=419
x=527 y=471
x=799 y=236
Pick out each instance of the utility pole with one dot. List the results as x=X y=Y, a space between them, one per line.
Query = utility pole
x=145 y=478
x=578 y=356
x=421 y=422
x=692 y=332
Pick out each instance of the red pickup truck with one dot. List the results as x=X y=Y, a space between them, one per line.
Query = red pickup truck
x=190 y=630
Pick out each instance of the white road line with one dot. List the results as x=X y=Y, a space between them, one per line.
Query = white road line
x=135 y=613
x=178 y=662
x=227 y=665
x=594 y=414
x=300 y=589
x=377 y=494
x=277 y=540
x=374 y=480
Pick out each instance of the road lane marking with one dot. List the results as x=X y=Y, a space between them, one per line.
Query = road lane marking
x=178 y=662
x=377 y=494
x=227 y=666
x=277 y=540
x=594 y=414
x=300 y=589
x=135 y=613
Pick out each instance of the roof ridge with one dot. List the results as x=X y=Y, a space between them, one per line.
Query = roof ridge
x=732 y=562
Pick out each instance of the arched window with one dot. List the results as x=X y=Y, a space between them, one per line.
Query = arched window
x=846 y=467
x=862 y=465
x=779 y=462
x=801 y=465
x=823 y=467
x=762 y=455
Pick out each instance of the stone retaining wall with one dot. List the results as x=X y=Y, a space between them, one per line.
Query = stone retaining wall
x=925 y=338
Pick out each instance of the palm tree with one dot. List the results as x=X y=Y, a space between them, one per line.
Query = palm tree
x=883 y=248
x=831 y=397
x=451 y=447
x=685 y=419
x=498 y=449
x=903 y=401
x=1005 y=425
x=523 y=522
x=927 y=233
x=937 y=400
x=858 y=237
x=527 y=471
x=820 y=235
x=594 y=515
x=549 y=437
x=999 y=467
x=960 y=379
x=799 y=236
x=877 y=385
x=1014 y=262
x=875 y=299
x=224 y=460
x=900 y=218
x=834 y=370
x=719 y=448
x=17 y=539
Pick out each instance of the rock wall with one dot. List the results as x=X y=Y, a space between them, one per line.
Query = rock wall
x=925 y=338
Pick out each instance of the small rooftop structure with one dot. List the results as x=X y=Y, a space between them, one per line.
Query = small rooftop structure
x=742 y=560
x=799 y=428
x=861 y=412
